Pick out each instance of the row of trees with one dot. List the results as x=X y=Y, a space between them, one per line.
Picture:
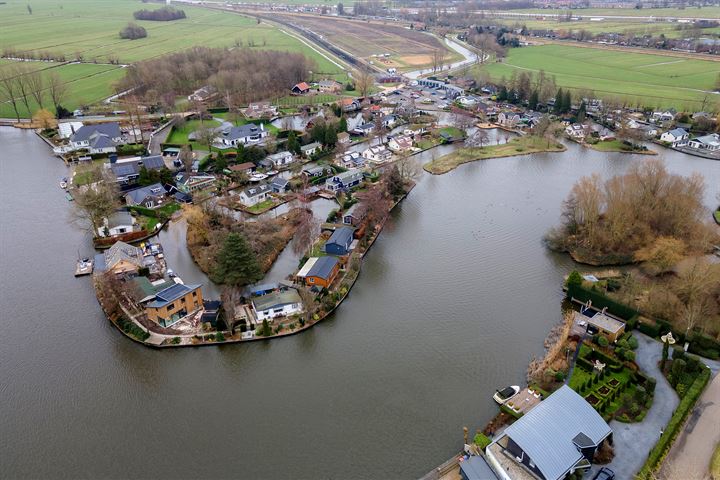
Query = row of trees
x=164 y=14
x=22 y=85
x=239 y=75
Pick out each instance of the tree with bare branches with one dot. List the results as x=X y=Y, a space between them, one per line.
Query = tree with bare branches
x=56 y=89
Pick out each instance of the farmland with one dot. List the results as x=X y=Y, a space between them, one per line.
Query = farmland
x=408 y=49
x=637 y=27
x=689 y=12
x=89 y=28
x=645 y=79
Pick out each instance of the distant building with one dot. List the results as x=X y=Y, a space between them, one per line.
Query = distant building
x=377 y=154
x=300 y=89
x=191 y=184
x=354 y=215
x=259 y=110
x=344 y=181
x=281 y=159
x=310 y=149
x=203 y=94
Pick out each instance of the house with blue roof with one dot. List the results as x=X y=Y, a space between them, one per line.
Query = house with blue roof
x=151 y=196
x=344 y=180
x=556 y=438
x=127 y=171
x=100 y=138
x=170 y=305
x=319 y=272
x=340 y=241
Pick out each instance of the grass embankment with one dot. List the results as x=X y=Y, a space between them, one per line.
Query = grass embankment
x=717 y=216
x=517 y=146
x=617 y=146
x=650 y=79
x=715 y=464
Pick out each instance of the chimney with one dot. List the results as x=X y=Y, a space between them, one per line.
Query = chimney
x=113 y=158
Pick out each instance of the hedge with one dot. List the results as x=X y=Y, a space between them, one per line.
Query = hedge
x=482 y=441
x=661 y=448
x=651 y=330
x=511 y=412
x=704 y=346
x=601 y=301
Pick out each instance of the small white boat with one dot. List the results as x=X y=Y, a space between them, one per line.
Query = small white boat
x=83 y=267
x=257 y=177
x=170 y=273
x=272 y=172
x=64 y=183
x=502 y=396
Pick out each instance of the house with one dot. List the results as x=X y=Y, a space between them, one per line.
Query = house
x=350 y=104
x=174 y=303
x=127 y=171
x=96 y=139
x=601 y=323
x=354 y=215
x=253 y=195
x=648 y=131
x=281 y=159
x=246 y=168
x=248 y=134
x=339 y=242
x=117 y=224
x=556 y=438
x=467 y=101
x=676 y=136
x=319 y=272
x=576 y=131
x=709 y=143
x=147 y=289
x=151 y=196
x=68 y=129
x=344 y=181
x=193 y=183
x=280 y=185
x=211 y=312
x=121 y=258
x=389 y=121
x=352 y=160
x=318 y=171
x=364 y=128
x=508 y=119
x=377 y=154
x=300 y=89
x=277 y=304
x=329 y=86
x=259 y=110
x=476 y=467
x=310 y=149
x=343 y=138
x=663 y=116
x=202 y=94
x=602 y=133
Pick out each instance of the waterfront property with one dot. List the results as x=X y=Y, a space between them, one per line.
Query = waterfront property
x=151 y=196
x=191 y=184
x=248 y=134
x=127 y=171
x=117 y=224
x=277 y=304
x=170 y=305
x=280 y=185
x=319 y=272
x=96 y=139
x=253 y=195
x=340 y=241
x=707 y=143
x=344 y=181
x=121 y=258
x=354 y=215
x=556 y=438
x=602 y=323
x=281 y=159
x=310 y=149
x=676 y=136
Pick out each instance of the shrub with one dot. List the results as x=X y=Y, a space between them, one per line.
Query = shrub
x=559 y=376
x=599 y=301
x=633 y=342
x=175 y=340
x=133 y=31
x=602 y=341
x=219 y=337
x=574 y=279
x=482 y=441
x=163 y=14
x=629 y=355
x=649 y=330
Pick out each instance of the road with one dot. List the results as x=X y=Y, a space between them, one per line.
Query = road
x=689 y=457
x=469 y=58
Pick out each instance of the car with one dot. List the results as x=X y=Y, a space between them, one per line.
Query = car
x=604 y=474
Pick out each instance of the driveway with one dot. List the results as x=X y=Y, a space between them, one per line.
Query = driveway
x=690 y=455
x=633 y=441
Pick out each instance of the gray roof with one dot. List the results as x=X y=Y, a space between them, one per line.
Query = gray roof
x=98 y=140
x=84 y=133
x=712 y=139
x=139 y=194
x=606 y=323
x=123 y=251
x=476 y=468
x=547 y=432
x=678 y=132
x=243 y=131
x=310 y=146
x=123 y=169
x=341 y=236
x=119 y=219
x=171 y=294
x=276 y=300
x=280 y=182
x=323 y=267
x=256 y=190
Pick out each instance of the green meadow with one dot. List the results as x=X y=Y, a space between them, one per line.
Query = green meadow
x=90 y=28
x=645 y=79
x=689 y=12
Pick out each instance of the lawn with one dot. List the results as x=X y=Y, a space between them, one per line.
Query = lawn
x=179 y=135
x=262 y=206
x=517 y=146
x=717 y=216
x=715 y=463
x=617 y=146
x=90 y=28
x=648 y=79
x=690 y=12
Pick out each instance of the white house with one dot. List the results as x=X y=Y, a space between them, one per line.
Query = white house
x=576 y=130
x=377 y=154
x=709 y=143
x=248 y=134
x=117 y=224
x=467 y=101
x=676 y=136
x=277 y=304
x=254 y=195
x=508 y=119
x=310 y=149
x=666 y=116
x=101 y=138
x=400 y=143
x=281 y=159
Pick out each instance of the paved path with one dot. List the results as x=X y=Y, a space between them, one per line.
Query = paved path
x=690 y=455
x=633 y=441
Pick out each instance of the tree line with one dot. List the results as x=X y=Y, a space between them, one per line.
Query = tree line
x=164 y=14
x=239 y=75
x=22 y=85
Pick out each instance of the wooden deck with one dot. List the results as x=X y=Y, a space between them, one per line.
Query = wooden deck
x=524 y=401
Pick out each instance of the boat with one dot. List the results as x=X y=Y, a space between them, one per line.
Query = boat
x=502 y=396
x=170 y=273
x=64 y=183
x=257 y=177
x=84 y=266
x=272 y=172
x=69 y=197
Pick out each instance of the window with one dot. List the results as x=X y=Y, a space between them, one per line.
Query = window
x=311 y=280
x=195 y=293
x=170 y=306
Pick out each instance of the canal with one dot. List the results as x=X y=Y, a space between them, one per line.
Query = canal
x=452 y=302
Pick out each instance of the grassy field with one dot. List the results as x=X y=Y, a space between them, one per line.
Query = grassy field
x=647 y=79
x=90 y=28
x=690 y=12
x=516 y=146
x=639 y=27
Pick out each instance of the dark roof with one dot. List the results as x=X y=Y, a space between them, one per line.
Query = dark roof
x=476 y=468
x=323 y=267
x=139 y=194
x=171 y=294
x=280 y=182
x=84 y=133
x=547 y=432
x=101 y=141
x=342 y=236
x=245 y=131
x=276 y=299
x=124 y=169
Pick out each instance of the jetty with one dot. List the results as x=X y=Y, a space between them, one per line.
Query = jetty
x=84 y=267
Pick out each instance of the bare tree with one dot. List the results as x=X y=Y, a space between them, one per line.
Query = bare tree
x=95 y=202
x=187 y=158
x=364 y=81
x=9 y=90
x=36 y=85
x=19 y=72
x=56 y=88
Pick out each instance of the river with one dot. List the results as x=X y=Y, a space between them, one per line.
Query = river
x=452 y=302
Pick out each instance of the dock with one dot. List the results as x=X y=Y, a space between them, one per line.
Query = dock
x=83 y=267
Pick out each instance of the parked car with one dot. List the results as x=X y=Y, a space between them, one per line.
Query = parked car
x=604 y=474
